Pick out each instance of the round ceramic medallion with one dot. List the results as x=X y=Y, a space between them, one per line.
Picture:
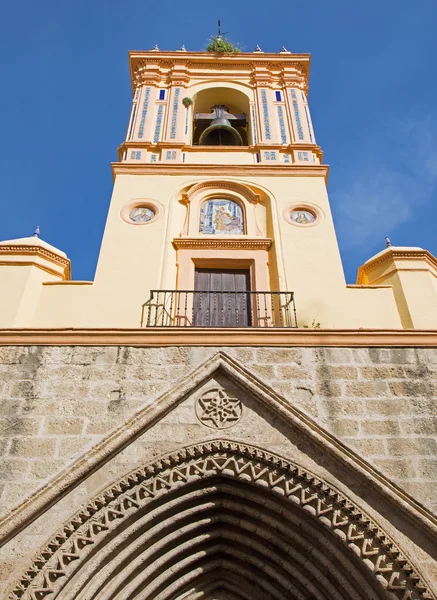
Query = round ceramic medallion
x=303 y=217
x=141 y=214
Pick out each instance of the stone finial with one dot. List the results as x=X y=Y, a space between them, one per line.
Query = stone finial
x=182 y=48
x=37 y=231
x=258 y=49
x=155 y=48
x=284 y=50
x=387 y=242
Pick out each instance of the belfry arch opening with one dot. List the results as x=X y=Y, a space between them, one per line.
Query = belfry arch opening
x=221 y=118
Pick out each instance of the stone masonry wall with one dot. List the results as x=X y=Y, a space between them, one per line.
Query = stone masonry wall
x=57 y=402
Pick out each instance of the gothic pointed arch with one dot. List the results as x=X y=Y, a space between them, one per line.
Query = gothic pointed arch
x=221 y=519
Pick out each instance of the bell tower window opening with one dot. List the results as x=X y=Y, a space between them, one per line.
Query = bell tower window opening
x=221 y=118
x=220 y=216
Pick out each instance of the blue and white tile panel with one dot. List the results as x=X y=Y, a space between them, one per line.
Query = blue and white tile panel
x=131 y=121
x=174 y=114
x=303 y=157
x=170 y=155
x=144 y=111
x=301 y=117
x=158 y=124
x=253 y=120
x=308 y=118
x=299 y=131
x=187 y=122
x=270 y=155
x=135 y=155
x=265 y=113
x=281 y=119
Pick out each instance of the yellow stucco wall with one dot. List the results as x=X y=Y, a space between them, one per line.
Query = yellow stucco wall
x=280 y=169
x=135 y=259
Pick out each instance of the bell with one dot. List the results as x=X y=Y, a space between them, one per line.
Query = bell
x=220 y=132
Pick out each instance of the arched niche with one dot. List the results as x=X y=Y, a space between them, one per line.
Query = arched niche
x=219 y=520
x=238 y=193
x=236 y=102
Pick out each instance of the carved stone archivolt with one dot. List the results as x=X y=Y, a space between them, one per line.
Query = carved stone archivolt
x=221 y=516
x=218 y=410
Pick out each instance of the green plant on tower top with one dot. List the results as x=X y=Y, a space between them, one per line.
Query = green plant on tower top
x=219 y=45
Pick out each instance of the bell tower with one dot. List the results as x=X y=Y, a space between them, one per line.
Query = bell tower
x=220 y=187
x=220 y=215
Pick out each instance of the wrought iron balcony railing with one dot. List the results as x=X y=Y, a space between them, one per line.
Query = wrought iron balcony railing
x=188 y=308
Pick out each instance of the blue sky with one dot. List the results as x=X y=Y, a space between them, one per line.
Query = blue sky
x=66 y=96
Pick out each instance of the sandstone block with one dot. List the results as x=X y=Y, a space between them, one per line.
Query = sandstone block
x=292 y=372
x=263 y=371
x=332 y=372
x=19 y=426
x=13 y=469
x=100 y=426
x=332 y=356
x=244 y=355
x=342 y=407
x=62 y=426
x=411 y=388
x=423 y=406
x=72 y=446
x=416 y=446
x=279 y=355
x=427 y=355
x=419 y=426
x=427 y=468
x=43 y=469
x=32 y=447
x=70 y=407
x=380 y=427
x=367 y=389
x=382 y=372
x=4 y=445
x=368 y=446
x=329 y=389
x=343 y=427
x=149 y=372
x=386 y=407
x=398 y=468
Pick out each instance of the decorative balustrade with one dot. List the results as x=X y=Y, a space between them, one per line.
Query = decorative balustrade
x=188 y=308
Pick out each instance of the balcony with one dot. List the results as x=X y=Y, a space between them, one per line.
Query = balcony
x=188 y=308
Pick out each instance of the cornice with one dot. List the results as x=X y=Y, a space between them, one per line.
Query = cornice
x=37 y=251
x=121 y=168
x=199 y=336
x=205 y=243
x=148 y=145
x=150 y=67
x=396 y=254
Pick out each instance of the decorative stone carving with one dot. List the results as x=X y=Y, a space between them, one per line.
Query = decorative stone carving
x=216 y=409
x=275 y=481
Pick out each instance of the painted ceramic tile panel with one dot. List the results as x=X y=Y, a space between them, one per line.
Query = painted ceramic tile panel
x=221 y=217
x=302 y=216
x=141 y=214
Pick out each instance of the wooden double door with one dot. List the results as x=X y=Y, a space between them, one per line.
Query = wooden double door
x=222 y=298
